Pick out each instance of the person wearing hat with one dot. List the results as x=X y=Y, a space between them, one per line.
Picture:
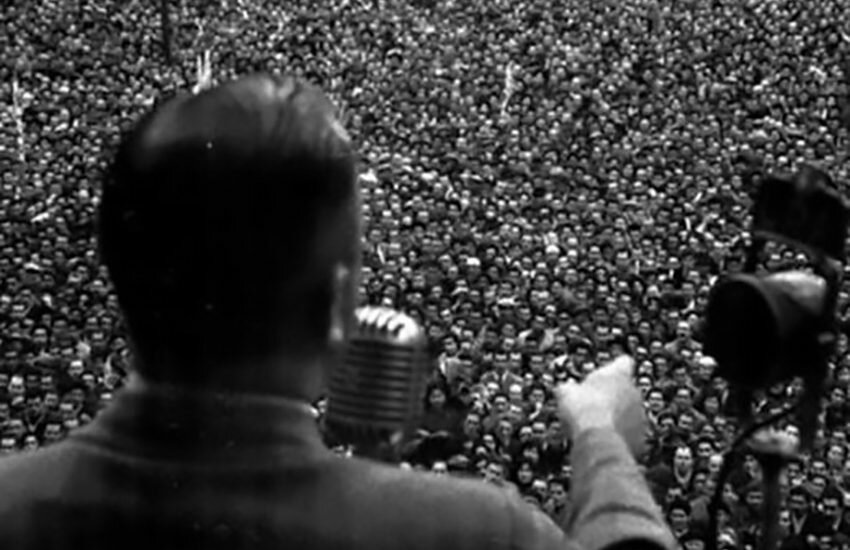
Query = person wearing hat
x=230 y=226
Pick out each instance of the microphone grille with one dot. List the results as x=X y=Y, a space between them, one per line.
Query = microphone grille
x=379 y=385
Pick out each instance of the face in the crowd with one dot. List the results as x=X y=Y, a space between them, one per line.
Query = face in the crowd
x=711 y=405
x=708 y=431
x=794 y=472
x=644 y=384
x=515 y=394
x=493 y=473
x=835 y=456
x=437 y=398
x=15 y=427
x=66 y=410
x=489 y=442
x=686 y=423
x=76 y=396
x=831 y=507
x=683 y=460
x=820 y=439
x=662 y=367
x=754 y=499
x=540 y=488
x=537 y=396
x=704 y=450
x=729 y=494
x=16 y=386
x=34 y=405
x=39 y=337
x=683 y=331
x=644 y=330
x=558 y=493
x=837 y=397
x=710 y=487
x=501 y=404
x=525 y=475
x=699 y=482
x=440 y=468
x=655 y=401
x=450 y=346
x=51 y=400
x=75 y=369
x=818 y=468
x=7 y=445
x=505 y=429
x=817 y=486
x=838 y=437
x=798 y=504
x=666 y=425
x=538 y=430
x=678 y=520
x=683 y=399
x=704 y=371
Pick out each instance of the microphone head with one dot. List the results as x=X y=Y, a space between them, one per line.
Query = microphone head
x=376 y=391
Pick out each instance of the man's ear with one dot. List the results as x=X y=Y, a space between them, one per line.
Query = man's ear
x=342 y=308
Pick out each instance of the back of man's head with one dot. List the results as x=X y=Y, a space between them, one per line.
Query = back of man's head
x=225 y=220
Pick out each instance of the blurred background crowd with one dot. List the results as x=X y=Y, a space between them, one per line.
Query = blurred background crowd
x=548 y=184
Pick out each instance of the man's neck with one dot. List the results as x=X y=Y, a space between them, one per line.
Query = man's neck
x=298 y=378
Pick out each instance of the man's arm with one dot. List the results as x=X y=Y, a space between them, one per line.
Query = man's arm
x=611 y=502
x=612 y=508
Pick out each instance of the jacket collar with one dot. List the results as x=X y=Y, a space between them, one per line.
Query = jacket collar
x=161 y=421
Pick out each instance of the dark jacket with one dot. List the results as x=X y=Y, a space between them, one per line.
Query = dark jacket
x=164 y=469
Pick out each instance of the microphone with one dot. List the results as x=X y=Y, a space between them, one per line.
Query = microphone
x=376 y=392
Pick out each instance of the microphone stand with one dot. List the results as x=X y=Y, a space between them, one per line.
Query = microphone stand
x=766 y=443
x=772 y=496
x=773 y=452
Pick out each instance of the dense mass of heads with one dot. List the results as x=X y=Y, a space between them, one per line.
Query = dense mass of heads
x=547 y=184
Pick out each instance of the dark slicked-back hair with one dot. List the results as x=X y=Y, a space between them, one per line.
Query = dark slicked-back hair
x=223 y=218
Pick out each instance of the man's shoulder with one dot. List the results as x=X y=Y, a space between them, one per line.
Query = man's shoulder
x=26 y=470
x=28 y=479
x=425 y=486
x=384 y=505
x=450 y=508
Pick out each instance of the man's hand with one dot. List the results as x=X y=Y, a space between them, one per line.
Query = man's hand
x=607 y=398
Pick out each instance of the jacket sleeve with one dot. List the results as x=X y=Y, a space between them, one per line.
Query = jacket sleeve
x=611 y=504
x=610 y=498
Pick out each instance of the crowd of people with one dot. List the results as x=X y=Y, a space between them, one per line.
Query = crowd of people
x=547 y=185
